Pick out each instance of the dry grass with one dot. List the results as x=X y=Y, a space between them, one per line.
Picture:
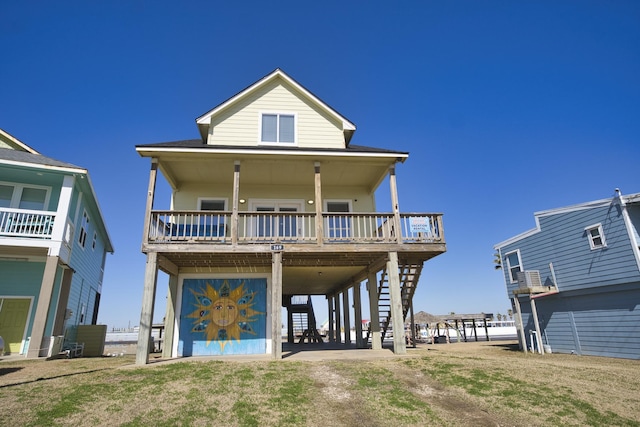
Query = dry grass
x=471 y=384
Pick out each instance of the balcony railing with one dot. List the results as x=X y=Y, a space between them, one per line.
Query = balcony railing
x=294 y=227
x=26 y=223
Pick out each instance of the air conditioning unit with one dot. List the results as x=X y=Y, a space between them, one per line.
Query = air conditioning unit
x=529 y=279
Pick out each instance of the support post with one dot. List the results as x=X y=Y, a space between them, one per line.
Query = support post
x=149 y=206
x=520 y=326
x=376 y=337
x=394 y=204
x=276 y=305
x=170 y=317
x=357 y=312
x=534 y=313
x=399 y=346
x=236 y=198
x=347 y=316
x=318 y=203
x=42 y=309
x=338 y=319
x=332 y=331
x=146 y=314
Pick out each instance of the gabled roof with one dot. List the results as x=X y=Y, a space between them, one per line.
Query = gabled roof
x=629 y=199
x=203 y=121
x=26 y=156
x=15 y=141
x=10 y=156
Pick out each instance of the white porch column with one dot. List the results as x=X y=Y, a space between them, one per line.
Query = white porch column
x=276 y=305
x=357 y=313
x=62 y=212
x=146 y=314
x=347 y=316
x=399 y=345
x=170 y=317
x=372 y=286
x=42 y=309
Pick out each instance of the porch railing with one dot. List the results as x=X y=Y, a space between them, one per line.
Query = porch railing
x=294 y=227
x=26 y=223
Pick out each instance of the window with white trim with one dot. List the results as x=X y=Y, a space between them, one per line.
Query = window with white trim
x=514 y=265
x=84 y=229
x=278 y=128
x=95 y=240
x=20 y=196
x=596 y=236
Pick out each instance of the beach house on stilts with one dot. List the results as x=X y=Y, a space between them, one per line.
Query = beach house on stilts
x=273 y=202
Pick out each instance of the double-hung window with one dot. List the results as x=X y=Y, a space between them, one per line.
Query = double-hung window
x=84 y=229
x=514 y=265
x=596 y=236
x=278 y=128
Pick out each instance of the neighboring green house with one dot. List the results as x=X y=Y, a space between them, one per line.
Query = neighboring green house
x=271 y=204
x=53 y=246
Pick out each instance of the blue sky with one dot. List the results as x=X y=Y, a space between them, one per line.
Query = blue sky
x=506 y=107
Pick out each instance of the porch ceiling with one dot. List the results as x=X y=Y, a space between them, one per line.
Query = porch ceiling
x=271 y=170
x=314 y=273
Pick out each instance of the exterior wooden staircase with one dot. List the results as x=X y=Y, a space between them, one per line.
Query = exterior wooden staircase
x=304 y=319
x=409 y=276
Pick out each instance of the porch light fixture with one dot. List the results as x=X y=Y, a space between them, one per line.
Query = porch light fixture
x=310 y=202
x=242 y=201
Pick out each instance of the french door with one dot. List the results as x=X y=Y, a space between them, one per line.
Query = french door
x=270 y=224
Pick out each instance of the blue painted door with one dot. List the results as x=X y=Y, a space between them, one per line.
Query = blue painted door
x=223 y=316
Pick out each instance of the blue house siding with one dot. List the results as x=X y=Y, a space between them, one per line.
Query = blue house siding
x=23 y=279
x=596 y=324
x=597 y=308
x=563 y=241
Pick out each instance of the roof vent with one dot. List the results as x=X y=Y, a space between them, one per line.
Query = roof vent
x=529 y=279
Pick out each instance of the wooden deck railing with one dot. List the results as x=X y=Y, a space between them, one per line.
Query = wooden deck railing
x=26 y=223
x=294 y=227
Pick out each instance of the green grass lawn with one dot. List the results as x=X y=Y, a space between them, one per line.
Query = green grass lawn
x=438 y=385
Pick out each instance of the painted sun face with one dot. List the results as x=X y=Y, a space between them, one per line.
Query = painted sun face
x=224 y=312
x=222 y=315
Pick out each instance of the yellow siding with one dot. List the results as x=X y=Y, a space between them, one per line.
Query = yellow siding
x=239 y=125
x=187 y=198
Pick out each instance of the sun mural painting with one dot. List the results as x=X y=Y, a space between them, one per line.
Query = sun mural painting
x=223 y=315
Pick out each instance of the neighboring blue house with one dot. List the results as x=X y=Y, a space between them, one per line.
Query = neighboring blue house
x=574 y=280
x=53 y=246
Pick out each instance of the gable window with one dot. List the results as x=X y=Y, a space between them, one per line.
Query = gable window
x=278 y=128
x=84 y=229
x=596 y=236
x=514 y=265
x=95 y=240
